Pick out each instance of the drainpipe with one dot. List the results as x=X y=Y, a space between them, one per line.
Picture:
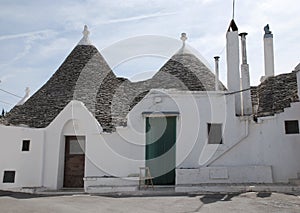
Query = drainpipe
x=298 y=81
x=217 y=73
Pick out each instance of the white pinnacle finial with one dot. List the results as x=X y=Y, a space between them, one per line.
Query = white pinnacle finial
x=85 y=39
x=22 y=101
x=183 y=37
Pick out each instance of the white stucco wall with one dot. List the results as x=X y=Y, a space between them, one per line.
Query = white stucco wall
x=75 y=119
x=26 y=164
x=263 y=147
x=267 y=144
x=245 y=143
x=123 y=152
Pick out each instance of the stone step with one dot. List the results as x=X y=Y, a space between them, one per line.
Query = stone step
x=295 y=181
x=109 y=189
x=111 y=181
x=129 y=188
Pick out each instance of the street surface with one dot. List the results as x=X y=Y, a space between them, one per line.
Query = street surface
x=246 y=202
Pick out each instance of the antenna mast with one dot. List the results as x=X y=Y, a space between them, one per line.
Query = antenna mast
x=233 y=5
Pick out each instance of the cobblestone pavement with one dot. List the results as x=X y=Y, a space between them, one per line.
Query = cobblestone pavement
x=246 y=202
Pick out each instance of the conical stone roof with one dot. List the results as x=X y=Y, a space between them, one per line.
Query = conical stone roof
x=76 y=79
x=188 y=70
x=85 y=76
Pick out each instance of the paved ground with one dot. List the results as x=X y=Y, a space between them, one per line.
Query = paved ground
x=246 y=202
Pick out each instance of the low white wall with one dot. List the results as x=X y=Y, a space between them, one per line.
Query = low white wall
x=241 y=174
x=26 y=164
x=112 y=155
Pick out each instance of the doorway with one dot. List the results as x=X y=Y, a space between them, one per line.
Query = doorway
x=74 y=161
x=161 y=149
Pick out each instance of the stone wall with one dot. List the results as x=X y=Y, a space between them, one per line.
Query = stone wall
x=275 y=93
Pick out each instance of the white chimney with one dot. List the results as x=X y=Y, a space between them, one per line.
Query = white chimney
x=297 y=70
x=217 y=88
x=233 y=63
x=246 y=94
x=298 y=82
x=268 y=52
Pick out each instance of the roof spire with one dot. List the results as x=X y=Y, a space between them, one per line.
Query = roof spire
x=233 y=8
x=232 y=25
x=183 y=38
x=85 y=39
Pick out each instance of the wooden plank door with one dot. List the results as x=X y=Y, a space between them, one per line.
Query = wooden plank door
x=74 y=161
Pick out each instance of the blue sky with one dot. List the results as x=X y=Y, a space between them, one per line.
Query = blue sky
x=36 y=36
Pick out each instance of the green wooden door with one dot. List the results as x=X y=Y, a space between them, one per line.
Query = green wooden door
x=161 y=149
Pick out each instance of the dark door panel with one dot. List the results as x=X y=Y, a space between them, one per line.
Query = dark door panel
x=74 y=162
x=161 y=149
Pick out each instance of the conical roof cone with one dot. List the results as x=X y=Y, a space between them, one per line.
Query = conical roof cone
x=79 y=77
x=189 y=71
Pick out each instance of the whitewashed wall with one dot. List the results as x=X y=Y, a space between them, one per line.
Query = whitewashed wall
x=267 y=144
x=260 y=146
x=26 y=164
x=245 y=143
x=75 y=119
x=123 y=152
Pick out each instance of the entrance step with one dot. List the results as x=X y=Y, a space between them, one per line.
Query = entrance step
x=109 y=189
x=128 y=188
x=157 y=190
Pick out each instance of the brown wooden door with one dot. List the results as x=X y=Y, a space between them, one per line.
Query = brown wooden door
x=74 y=161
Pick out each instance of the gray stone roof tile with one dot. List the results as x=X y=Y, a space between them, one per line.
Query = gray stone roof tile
x=274 y=94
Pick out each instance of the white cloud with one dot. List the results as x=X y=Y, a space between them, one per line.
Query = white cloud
x=134 y=18
x=32 y=35
x=29 y=38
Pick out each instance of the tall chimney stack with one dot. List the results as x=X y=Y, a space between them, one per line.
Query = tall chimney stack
x=268 y=52
x=217 y=88
x=246 y=95
x=233 y=63
x=297 y=70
